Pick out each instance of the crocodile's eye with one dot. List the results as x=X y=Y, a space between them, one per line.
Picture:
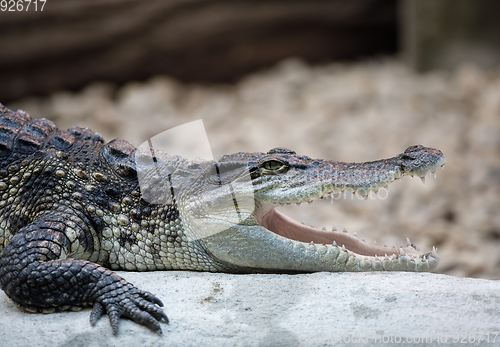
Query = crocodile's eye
x=274 y=166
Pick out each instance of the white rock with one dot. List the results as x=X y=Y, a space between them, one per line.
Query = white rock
x=275 y=310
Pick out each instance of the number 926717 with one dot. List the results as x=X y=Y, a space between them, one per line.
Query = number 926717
x=22 y=5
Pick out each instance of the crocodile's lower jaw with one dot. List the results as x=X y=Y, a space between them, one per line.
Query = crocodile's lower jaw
x=286 y=227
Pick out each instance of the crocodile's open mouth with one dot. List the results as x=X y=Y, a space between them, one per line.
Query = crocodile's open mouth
x=285 y=226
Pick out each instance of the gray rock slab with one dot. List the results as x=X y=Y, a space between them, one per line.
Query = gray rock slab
x=317 y=309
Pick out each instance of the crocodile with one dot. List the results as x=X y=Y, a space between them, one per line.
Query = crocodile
x=73 y=209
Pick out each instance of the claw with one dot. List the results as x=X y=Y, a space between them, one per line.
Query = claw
x=164 y=317
x=148 y=320
x=153 y=310
x=150 y=297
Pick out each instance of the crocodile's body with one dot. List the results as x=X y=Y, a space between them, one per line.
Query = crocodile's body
x=72 y=209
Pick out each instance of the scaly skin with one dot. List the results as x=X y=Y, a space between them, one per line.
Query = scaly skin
x=73 y=208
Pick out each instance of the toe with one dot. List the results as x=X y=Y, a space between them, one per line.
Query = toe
x=96 y=313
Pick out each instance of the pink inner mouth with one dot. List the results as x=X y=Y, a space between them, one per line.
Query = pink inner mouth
x=285 y=226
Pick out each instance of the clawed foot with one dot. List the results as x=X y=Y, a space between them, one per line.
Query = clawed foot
x=123 y=299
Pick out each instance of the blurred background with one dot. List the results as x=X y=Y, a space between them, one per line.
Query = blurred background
x=343 y=80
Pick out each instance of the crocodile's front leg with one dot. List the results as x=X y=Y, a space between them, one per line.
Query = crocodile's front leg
x=37 y=272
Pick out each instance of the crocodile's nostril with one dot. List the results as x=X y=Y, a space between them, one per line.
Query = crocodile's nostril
x=413 y=149
x=407 y=157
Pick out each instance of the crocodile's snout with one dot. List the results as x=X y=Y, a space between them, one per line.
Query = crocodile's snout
x=419 y=160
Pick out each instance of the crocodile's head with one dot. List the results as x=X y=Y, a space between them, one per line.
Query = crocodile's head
x=231 y=210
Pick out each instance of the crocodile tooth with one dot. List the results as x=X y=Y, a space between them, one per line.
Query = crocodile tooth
x=334 y=228
x=374 y=242
x=402 y=252
x=324 y=228
x=345 y=230
x=408 y=243
x=334 y=243
x=365 y=197
x=312 y=243
x=363 y=240
x=355 y=234
x=386 y=257
x=434 y=252
x=435 y=175
x=423 y=179
x=442 y=167
x=343 y=248
x=302 y=222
